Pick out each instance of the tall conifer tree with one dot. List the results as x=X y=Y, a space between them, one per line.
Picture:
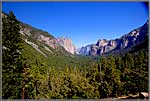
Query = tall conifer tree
x=12 y=64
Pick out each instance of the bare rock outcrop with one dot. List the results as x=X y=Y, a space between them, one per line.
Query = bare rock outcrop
x=67 y=44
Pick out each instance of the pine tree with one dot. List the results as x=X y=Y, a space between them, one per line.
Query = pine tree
x=12 y=64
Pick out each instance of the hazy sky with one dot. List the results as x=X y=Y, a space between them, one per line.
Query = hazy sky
x=83 y=22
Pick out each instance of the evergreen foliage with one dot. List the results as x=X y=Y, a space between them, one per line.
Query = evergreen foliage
x=12 y=60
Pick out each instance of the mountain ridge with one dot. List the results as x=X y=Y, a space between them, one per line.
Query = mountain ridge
x=128 y=40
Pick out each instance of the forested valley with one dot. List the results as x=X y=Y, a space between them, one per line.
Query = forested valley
x=26 y=74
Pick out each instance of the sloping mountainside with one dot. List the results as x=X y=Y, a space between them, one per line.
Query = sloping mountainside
x=49 y=42
x=41 y=46
x=41 y=39
x=119 y=45
x=44 y=42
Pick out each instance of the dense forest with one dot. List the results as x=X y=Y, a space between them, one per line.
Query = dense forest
x=31 y=76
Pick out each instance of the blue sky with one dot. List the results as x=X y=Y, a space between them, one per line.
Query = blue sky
x=83 y=22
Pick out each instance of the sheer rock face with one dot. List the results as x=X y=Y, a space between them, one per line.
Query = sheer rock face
x=67 y=44
x=126 y=41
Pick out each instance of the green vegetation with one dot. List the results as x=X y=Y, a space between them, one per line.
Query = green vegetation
x=12 y=61
x=111 y=76
x=30 y=75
